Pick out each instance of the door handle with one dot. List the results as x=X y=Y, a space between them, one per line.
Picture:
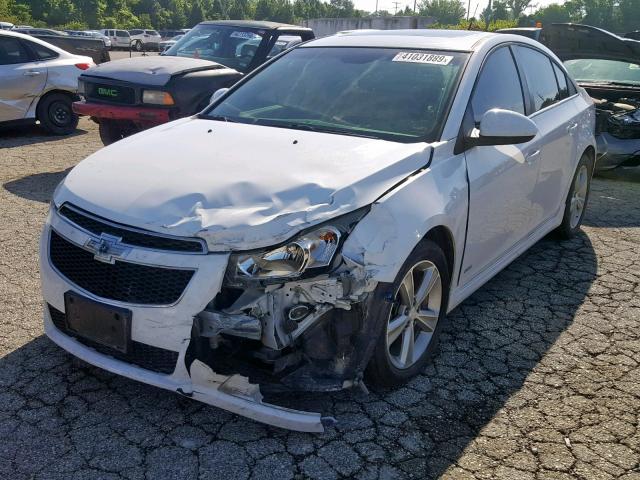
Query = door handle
x=31 y=73
x=572 y=127
x=531 y=157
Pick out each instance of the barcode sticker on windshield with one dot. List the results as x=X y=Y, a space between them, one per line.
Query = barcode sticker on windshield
x=413 y=57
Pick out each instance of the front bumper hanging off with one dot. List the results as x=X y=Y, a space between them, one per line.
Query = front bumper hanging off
x=169 y=328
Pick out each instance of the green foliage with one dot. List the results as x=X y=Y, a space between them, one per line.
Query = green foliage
x=476 y=25
x=163 y=14
x=447 y=12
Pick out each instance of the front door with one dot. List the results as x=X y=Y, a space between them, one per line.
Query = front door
x=502 y=178
x=22 y=79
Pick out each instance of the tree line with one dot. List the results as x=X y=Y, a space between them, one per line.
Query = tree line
x=614 y=15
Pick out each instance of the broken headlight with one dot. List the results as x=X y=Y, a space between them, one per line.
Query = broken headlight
x=310 y=251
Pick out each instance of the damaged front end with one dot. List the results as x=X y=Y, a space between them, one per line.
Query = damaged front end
x=292 y=317
x=618 y=132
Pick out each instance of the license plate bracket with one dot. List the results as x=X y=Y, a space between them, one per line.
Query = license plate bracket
x=104 y=324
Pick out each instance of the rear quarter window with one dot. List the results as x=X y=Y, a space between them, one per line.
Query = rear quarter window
x=541 y=79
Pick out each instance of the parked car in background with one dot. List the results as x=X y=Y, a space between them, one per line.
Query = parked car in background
x=129 y=95
x=78 y=45
x=97 y=34
x=119 y=38
x=39 y=81
x=6 y=26
x=311 y=229
x=608 y=68
x=169 y=34
x=39 y=31
x=166 y=44
x=144 y=39
x=90 y=34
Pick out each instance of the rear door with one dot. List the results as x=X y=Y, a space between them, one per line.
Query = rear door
x=556 y=117
x=22 y=79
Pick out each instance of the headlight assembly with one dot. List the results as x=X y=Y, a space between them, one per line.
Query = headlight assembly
x=157 y=97
x=310 y=252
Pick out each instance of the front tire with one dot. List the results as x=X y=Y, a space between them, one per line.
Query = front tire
x=112 y=131
x=138 y=47
x=576 y=202
x=414 y=319
x=56 y=115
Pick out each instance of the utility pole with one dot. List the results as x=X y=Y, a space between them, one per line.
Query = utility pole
x=395 y=6
x=376 y=7
x=468 y=9
x=414 y=6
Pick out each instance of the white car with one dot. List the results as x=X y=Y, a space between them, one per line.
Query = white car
x=144 y=39
x=39 y=81
x=313 y=226
x=118 y=38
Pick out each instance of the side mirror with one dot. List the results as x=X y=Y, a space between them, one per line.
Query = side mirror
x=503 y=127
x=217 y=94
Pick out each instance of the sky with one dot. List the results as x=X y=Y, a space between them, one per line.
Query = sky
x=370 y=5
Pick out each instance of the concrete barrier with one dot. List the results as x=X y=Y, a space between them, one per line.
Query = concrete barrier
x=328 y=26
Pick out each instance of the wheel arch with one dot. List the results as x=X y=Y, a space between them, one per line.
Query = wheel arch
x=36 y=107
x=443 y=237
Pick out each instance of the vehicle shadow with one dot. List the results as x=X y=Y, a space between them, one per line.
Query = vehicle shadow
x=491 y=343
x=19 y=136
x=38 y=187
x=54 y=409
x=613 y=203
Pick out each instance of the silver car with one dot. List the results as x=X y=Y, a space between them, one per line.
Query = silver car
x=39 y=82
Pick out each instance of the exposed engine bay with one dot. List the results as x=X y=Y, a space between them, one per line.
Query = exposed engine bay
x=617 y=128
x=298 y=335
x=620 y=118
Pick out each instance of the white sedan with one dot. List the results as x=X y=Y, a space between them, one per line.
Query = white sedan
x=311 y=229
x=38 y=81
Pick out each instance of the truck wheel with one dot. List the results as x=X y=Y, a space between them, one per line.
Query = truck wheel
x=111 y=132
x=138 y=46
x=56 y=115
x=414 y=317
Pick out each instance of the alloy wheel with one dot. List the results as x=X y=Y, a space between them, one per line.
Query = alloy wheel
x=414 y=314
x=579 y=197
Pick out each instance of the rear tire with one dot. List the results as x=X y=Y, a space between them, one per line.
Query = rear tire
x=112 y=131
x=576 y=203
x=56 y=114
x=413 y=320
x=138 y=47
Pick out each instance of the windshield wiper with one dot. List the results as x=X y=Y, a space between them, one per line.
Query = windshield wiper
x=610 y=82
x=315 y=128
x=220 y=118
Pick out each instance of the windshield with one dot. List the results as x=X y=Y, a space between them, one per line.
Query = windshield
x=391 y=94
x=231 y=46
x=603 y=71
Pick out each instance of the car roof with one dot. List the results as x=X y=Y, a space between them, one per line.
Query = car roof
x=11 y=33
x=455 y=40
x=253 y=24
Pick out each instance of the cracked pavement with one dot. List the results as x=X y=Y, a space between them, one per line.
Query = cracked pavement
x=538 y=374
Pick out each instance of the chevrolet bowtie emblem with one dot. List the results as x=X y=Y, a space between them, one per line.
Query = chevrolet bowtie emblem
x=107 y=248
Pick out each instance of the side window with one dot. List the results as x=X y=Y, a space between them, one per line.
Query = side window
x=12 y=52
x=498 y=85
x=562 y=82
x=283 y=43
x=540 y=77
x=42 y=53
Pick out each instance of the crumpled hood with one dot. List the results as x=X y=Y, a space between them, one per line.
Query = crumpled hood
x=237 y=186
x=154 y=70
